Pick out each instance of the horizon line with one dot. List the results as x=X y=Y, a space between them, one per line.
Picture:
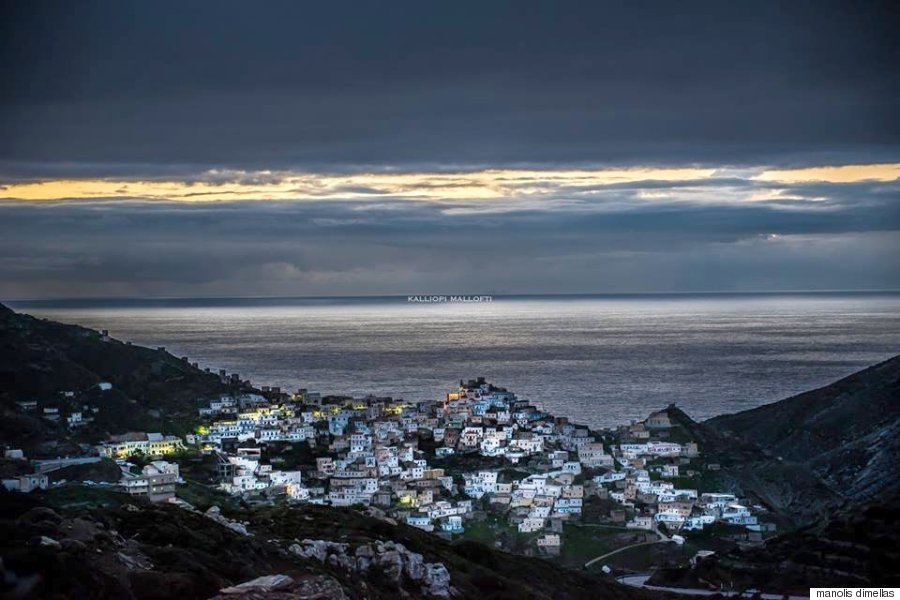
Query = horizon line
x=492 y=294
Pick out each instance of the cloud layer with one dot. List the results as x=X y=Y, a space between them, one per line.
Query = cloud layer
x=325 y=86
x=180 y=149
x=717 y=233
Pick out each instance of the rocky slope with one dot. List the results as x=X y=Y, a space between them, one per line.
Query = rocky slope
x=795 y=495
x=809 y=456
x=829 y=460
x=106 y=545
x=845 y=434
x=854 y=549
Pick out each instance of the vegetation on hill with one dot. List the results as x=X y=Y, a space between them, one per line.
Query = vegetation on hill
x=107 y=545
x=40 y=359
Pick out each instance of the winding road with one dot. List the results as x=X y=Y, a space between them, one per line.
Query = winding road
x=662 y=539
x=624 y=548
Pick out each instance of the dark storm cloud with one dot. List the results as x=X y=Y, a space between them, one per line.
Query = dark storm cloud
x=92 y=87
x=848 y=239
x=226 y=96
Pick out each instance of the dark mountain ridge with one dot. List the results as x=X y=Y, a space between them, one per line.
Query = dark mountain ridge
x=829 y=460
x=39 y=359
x=845 y=433
x=856 y=548
x=810 y=455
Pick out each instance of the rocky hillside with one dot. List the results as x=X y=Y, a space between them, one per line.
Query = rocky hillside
x=846 y=433
x=830 y=459
x=854 y=549
x=810 y=456
x=39 y=357
x=88 y=543
x=795 y=495
x=151 y=389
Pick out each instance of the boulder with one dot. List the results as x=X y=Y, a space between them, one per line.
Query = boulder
x=414 y=566
x=47 y=542
x=40 y=514
x=437 y=580
x=267 y=583
x=391 y=564
x=282 y=587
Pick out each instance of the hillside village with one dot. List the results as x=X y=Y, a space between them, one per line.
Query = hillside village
x=480 y=455
x=93 y=422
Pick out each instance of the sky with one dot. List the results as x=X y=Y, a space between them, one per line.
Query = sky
x=192 y=149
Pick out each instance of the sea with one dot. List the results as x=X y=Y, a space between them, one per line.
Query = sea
x=599 y=360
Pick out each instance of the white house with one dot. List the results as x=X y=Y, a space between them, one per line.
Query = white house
x=530 y=525
x=640 y=522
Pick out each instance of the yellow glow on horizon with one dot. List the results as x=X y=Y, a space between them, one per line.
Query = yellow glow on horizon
x=834 y=174
x=436 y=186
x=286 y=185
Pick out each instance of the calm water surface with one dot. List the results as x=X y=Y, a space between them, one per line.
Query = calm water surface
x=598 y=360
